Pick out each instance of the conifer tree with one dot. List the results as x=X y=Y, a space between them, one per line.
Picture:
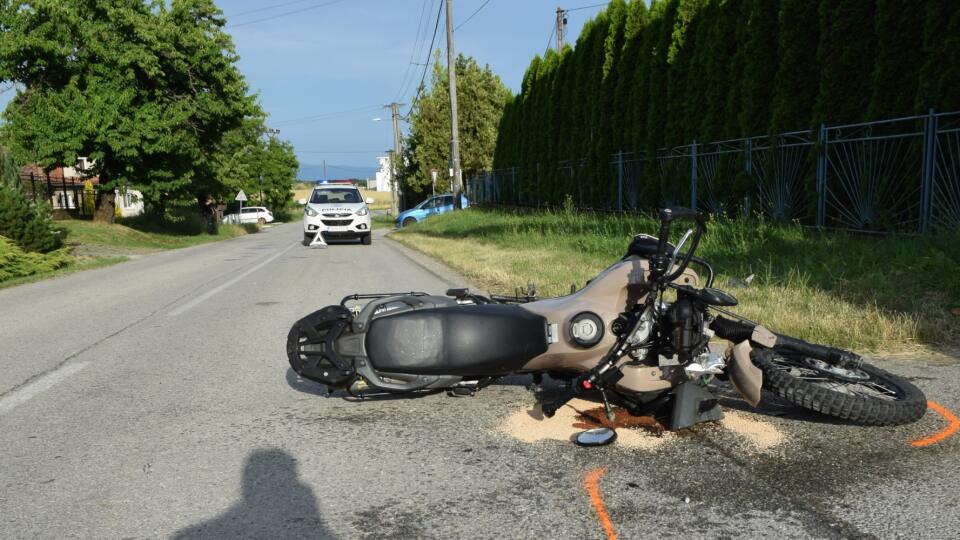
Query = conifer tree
x=796 y=83
x=845 y=52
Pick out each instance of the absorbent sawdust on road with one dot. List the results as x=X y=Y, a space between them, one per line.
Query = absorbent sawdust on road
x=641 y=432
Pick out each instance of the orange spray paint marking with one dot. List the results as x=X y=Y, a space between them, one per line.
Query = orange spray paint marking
x=954 y=425
x=590 y=481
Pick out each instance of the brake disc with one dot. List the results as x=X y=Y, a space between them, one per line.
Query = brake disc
x=848 y=375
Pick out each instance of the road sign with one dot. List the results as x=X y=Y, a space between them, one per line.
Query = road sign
x=241 y=196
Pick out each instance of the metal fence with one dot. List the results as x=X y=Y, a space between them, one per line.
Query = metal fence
x=63 y=194
x=901 y=174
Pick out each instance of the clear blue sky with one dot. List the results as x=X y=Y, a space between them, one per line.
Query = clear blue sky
x=354 y=55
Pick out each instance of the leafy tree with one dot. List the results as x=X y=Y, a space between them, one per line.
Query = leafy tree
x=481 y=98
x=146 y=88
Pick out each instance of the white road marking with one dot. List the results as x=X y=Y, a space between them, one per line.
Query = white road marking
x=193 y=303
x=48 y=381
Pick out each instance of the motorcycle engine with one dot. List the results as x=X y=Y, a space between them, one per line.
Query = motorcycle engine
x=686 y=329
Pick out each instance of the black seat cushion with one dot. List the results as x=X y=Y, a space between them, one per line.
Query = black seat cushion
x=492 y=339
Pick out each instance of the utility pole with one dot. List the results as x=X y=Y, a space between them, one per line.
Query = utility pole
x=454 y=127
x=272 y=133
x=561 y=27
x=324 y=170
x=395 y=191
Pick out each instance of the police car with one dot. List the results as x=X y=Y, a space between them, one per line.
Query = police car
x=336 y=211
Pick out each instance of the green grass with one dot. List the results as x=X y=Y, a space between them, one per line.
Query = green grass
x=892 y=294
x=93 y=245
x=381 y=221
x=143 y=238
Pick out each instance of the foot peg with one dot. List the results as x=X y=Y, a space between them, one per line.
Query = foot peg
x=461 y=391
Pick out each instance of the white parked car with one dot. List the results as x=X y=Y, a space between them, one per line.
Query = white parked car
x=338 y=211
x=250 y=214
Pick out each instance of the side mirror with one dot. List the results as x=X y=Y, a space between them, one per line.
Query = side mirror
x=369 y=200
x=301 y=202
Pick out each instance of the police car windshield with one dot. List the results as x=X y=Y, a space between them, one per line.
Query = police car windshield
x=335 y=195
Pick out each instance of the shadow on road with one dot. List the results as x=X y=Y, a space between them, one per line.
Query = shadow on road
x=275 y=504
x=307 y=386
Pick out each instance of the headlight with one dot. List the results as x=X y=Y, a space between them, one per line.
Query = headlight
x=362 y=211
x=310 y=212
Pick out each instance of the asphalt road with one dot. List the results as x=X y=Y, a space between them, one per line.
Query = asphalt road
x=153 y=399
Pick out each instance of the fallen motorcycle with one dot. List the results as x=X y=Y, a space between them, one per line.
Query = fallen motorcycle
x=644 y=335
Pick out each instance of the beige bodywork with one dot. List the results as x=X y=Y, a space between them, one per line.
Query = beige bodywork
x=746 y=377
x=613 y=291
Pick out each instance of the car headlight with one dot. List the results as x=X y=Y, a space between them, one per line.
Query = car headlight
x=310 y=212
x=362 y=211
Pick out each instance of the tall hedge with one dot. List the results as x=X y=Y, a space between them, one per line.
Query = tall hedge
x=648 y=75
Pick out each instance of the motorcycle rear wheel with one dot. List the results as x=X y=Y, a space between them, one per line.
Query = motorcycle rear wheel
x=866 y=395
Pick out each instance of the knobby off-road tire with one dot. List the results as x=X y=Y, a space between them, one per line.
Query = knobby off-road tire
x=784 y=375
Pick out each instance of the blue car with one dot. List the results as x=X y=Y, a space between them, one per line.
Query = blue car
x=430 y=207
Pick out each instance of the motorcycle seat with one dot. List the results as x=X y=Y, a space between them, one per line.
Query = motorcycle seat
x=487 y=339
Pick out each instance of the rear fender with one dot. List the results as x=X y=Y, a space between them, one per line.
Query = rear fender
x=746 y=377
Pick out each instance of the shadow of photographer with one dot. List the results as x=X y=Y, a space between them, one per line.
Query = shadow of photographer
x=275 y=504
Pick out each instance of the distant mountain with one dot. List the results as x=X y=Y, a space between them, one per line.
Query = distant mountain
x=336 y=172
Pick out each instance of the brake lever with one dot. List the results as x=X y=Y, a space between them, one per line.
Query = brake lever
x=676 y=249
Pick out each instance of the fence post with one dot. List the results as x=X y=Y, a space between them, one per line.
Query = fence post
x=49 y=189
x=620 y=181
x=749 y=156
x=929 y=162
x=822 y=176
x=516 y=190
x=693 y=175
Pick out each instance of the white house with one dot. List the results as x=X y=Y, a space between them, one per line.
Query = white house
x=383 y=174
x=64 y=186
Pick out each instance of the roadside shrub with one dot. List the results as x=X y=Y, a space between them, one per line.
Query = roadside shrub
x=89 y=205
x=25 y=222
x=16 y=263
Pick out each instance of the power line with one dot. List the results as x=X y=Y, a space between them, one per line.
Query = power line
x=324 y=116
x=266 y=8
x=339 y=151
x=270 y=18
x=471 y=15
x=587 y=7
x=553 y=30
x=426 y=63
x=405 y=82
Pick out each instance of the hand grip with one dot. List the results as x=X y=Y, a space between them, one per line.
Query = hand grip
x=679 y=212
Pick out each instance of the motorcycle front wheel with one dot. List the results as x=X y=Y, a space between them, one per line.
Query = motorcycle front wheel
x=865 y=395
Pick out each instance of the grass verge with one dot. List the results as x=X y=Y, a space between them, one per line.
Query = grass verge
x=93 y=245
x=381 y=221
x=894 y=294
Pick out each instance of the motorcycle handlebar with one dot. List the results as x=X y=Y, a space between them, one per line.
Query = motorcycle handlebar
x=667 y=215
